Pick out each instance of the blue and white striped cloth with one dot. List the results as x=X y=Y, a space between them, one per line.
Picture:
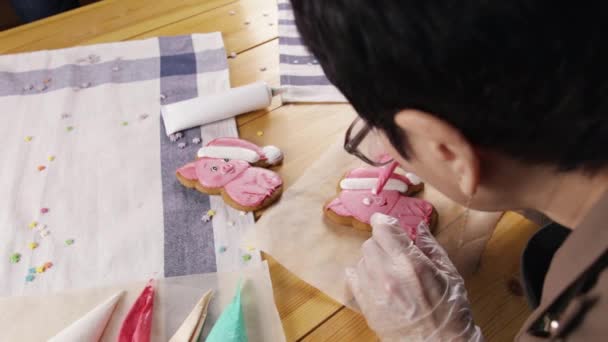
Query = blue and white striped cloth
x=301 y=75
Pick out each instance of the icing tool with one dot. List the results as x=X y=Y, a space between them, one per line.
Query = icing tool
x=214 y=107
x=137 y=326
x=89 y=327
x=384 y=176
x=191 y=328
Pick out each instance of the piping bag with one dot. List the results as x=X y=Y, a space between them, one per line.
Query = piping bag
x=215 y=107
x=138 y=324
x=384 y=176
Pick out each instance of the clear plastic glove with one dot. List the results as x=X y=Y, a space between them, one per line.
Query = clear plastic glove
x=410 y=292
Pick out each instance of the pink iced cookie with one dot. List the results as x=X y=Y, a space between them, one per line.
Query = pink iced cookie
x=225 y=168
x=356 y=202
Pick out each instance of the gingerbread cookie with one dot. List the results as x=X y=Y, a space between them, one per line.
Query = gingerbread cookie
x=356 y=201
x=233 y=168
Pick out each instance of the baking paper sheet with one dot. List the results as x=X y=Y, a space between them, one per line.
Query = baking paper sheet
x=298 y=236
x=38 y=318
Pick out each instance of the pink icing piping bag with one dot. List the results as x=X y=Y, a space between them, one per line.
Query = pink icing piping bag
x=138 y=324
x=384 y=176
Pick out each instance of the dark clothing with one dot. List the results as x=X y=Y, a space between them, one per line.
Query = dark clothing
x=572 y=303
x=30 y=10
x=537 y=258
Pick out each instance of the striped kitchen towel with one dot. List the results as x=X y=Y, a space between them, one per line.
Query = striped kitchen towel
x=88 y=194
x=301 y=75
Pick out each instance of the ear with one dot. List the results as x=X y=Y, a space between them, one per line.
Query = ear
x=441 y=146
x=188 y=171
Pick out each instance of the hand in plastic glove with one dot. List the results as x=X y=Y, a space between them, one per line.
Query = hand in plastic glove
x=410 y=292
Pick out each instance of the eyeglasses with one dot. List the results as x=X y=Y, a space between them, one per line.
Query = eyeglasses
x=363 y=141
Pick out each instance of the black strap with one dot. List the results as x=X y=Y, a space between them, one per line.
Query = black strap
x=583 y=283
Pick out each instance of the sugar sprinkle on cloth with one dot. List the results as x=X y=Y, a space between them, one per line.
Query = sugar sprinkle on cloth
x=102 y=181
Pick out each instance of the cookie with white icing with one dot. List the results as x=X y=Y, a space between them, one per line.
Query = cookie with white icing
x=356 y=201
x=235 y=169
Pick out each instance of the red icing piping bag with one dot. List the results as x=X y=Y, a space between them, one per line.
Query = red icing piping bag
x=138 y=324
x=384 y=176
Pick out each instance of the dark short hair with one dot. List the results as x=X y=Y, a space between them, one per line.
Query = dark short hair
x=528 y=79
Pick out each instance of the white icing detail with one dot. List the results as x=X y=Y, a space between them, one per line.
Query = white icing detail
x=413 y=178
x=371 y=183
x=367 y=202
x=229 y=152
x=273 y=154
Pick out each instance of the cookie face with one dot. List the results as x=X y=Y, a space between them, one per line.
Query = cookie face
x=225 y=167
x=356 y=202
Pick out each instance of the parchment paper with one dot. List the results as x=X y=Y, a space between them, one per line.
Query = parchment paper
x=298 y=236
x=38 y=318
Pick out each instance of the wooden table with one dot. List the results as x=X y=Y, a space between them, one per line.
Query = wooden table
x=302 y=131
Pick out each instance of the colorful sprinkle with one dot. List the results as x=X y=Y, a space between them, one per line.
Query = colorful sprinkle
x=30 y=277
x=47 y=81
x=125 y=123
x=65 y=116
x=233 y=54
x=163 y=97
x=251 y=248
x=69 y=128
x=196 y=140
x=69 y=242
x=15 y=258
x=230 y=223
x=232 y=12
x=50 y=158
x=205 y=218
x=39 y=269
x=41 y=167
x=44 y=233
x=85 y=85
x=295 y=61
x=32 y=224
x=44 y=210
x=28 y=87
x=222 y=249
x=263 y=69
x=32 y=270
x=115 y=68
x=32 y=245
x=181 y=145
x=41 y=87
x=143 y=116
x=246 y=257
x=28 y=138
x=211 y=212
x=47 y=265
x=260 y=133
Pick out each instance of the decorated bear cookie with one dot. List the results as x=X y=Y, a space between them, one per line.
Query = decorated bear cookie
x=234 y=168
x=356 y=201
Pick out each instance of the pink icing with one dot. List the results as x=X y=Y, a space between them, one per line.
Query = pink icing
x=253 y=186
x=236 y=142
x=246 y=185
x=362 y=204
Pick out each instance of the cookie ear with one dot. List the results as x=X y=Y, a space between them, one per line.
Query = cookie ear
x=188 y=171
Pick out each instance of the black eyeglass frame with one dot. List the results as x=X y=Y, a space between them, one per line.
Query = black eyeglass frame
x=351 y=145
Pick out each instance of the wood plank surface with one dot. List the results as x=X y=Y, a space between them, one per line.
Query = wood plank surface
x=302 y=131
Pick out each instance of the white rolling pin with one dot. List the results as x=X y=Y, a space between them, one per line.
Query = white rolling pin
x=214 y=107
